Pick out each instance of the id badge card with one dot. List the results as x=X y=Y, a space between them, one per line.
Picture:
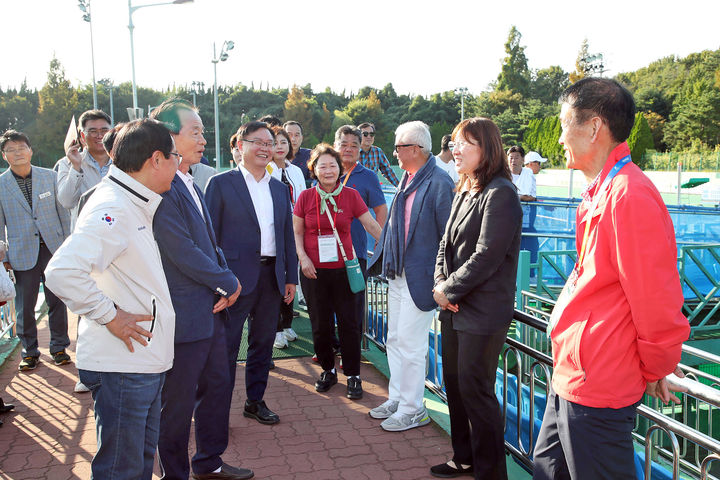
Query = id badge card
x=327 y=247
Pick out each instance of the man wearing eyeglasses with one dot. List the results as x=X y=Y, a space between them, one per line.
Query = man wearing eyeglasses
x=373 y=157
x=201 y=288
x=251 y=215
x=81 y=170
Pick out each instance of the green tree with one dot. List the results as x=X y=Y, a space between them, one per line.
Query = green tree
x=299 y=108
x=580 y=63
x=514 y=74
x=640 y=139
x=548 y=84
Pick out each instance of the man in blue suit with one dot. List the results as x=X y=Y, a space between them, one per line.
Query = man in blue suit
x=252 y=219
x=406 y=252
x=201 y=287
x=36 y=225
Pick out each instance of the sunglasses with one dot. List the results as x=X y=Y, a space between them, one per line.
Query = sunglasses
x=368 y=134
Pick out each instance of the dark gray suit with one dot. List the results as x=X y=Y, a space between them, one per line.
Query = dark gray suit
x=477 y=259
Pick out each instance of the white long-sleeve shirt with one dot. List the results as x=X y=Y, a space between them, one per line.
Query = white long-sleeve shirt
x=112 y=259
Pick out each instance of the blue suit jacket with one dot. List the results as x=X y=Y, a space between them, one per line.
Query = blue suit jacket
x=428 y=217
x=238 y=231
x=195 y=268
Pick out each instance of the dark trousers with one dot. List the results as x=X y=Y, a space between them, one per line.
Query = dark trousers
x=286 y=316
x=329 y=296
x=199 y=384
x=262 y=305
x=584 y=443
x=469 y=366
x=27 y=287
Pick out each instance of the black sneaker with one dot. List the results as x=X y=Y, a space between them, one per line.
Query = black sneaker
x=28 y=363
x=354 y=388
x=61 y=358
x=327 y=380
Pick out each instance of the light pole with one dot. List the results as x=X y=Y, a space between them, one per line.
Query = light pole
x=226 y=46
x=84 y=6
x=107 y=83
x=196 y=87
x=131 y=27
x=593 y=64
x=462 y=91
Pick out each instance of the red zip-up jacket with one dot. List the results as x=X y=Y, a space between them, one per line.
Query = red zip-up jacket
x=622 y=325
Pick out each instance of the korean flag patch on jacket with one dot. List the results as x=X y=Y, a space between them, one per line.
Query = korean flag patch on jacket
x=108 y=220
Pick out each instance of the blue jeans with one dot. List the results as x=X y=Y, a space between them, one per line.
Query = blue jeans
x=127 y=422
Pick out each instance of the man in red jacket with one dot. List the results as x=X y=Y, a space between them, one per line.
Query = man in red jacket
x=617 y=328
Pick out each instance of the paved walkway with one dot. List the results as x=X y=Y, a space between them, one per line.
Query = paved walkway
x=51 y=433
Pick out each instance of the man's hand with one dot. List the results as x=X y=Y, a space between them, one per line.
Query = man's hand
x=124 y=326
x=442 y=300
x=307 y=267
x=661 y=388
x=289 y=293
x=224 y=303
x=73 y=154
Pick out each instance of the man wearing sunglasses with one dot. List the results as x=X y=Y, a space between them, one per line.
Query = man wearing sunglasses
x=373 y=157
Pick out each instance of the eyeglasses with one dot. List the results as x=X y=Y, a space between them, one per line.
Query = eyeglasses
x=458 y=145
x=20 y=149
x=179 y=157
x=95 y=132
x=259 y=143
x=405 y=145
x=368 y=134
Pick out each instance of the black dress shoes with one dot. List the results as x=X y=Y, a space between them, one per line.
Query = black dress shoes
x=5 y=407
x=354 y=388
x=260 y=412
x=444 y=470
x=227 y=472
x=327 y=379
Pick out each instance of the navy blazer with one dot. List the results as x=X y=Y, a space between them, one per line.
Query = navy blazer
x=428 y=217
x=195 y=268
x=238 y=231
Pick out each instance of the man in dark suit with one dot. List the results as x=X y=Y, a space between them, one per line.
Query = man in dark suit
x=251 y=216
x=201 y=287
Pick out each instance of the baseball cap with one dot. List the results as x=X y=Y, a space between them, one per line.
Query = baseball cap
x=534 y=157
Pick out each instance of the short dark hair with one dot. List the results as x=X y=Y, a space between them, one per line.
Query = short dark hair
x=486 y=135
x=250 y=127
x=606 y=98
x=348 y=130
x=109 y=138
x=233 y=141
x=168 y=112
x=93 y=115
x=293 y=122
x=320 y=150
x=445 y=142
x=137 y=141
x=281 y=131
x=13 y=136
x=518 y=149
x=271 y=120
x=365 y=125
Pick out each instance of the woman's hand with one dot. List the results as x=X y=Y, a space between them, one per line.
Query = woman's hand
x=442 y=300
x=307 y=267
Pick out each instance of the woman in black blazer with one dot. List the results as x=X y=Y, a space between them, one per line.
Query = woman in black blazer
x=475 y=286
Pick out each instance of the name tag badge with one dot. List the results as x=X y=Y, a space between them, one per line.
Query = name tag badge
x=44 y=195
x=327 y=247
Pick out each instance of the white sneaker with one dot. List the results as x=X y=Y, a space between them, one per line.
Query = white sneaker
x=81 y=388
x=385 y=410
x=280 y=341
x=290 y=334
x=398 y=422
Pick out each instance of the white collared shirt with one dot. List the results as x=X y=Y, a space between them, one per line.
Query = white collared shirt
x=187 y=180
x=263 y=205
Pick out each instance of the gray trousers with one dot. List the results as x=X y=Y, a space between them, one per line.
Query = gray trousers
x=27 y=287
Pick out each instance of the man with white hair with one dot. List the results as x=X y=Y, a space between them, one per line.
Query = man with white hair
x=406 y=251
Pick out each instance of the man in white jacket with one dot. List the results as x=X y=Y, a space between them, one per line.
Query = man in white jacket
x=109 y=272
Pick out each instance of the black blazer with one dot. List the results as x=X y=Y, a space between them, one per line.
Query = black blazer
x=478 y=258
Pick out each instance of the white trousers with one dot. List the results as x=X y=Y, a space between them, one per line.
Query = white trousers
x=407 y=347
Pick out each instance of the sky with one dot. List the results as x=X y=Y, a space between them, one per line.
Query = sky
x=421 y=46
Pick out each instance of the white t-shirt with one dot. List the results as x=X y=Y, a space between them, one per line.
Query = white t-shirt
x=449 y=167
x=525 y=182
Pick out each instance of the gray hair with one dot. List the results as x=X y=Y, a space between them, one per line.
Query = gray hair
x=415 y=132
x=348 y=130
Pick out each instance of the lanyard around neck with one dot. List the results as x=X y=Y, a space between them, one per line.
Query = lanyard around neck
x=601 y=192
x=347 y=175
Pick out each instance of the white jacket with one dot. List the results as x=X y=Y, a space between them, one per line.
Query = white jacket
x=112 y=259
x=295 y=176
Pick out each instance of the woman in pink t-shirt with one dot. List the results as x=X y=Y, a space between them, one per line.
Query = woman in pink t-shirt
x=324 y=279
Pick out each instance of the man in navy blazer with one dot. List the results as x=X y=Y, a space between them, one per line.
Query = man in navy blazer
x=252 y=218
x=406 y=253
x=201 y=287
